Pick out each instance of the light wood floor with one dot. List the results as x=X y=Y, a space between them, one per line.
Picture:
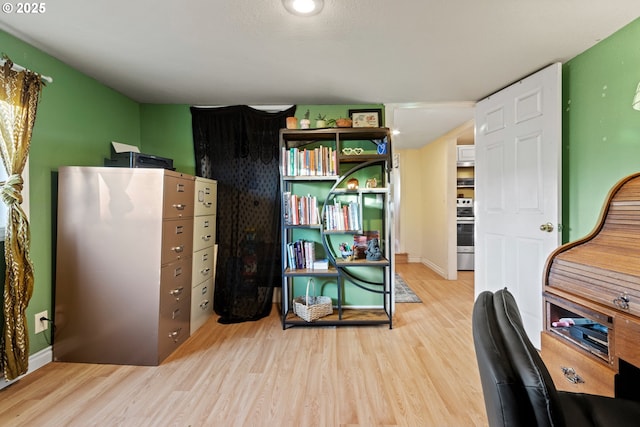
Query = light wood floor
x=422 y=372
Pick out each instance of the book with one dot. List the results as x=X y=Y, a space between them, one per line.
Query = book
x=300 y=210
x=301 y=254
x=320 y=161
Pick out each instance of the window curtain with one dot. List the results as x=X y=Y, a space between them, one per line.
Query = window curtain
x=19 y=93
x=239 y=147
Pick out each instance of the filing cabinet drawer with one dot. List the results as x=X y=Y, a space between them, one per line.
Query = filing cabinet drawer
x=173 y=328
x=203 y=263
x=175 y=283
x=201 y=304
x=177 y=239
x=178 y=197
x=205 y=196
x=204 y=232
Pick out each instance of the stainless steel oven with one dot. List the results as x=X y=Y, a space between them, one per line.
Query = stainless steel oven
x=465 y=223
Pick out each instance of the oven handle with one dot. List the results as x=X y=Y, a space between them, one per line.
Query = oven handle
x=465 y=220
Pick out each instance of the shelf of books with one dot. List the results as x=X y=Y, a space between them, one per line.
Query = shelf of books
x=337 y=224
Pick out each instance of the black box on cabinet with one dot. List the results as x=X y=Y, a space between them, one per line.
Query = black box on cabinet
x=130 y=159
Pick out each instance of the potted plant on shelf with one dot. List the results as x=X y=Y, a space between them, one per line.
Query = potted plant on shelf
x=305 y=123
x=321 y=121
x=340 y=122
x=343 y=123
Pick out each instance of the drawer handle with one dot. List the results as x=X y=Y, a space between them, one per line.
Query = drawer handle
x=178 y=249
x=208 y=204
x=571 y=375
x=205 y=271
x=206 y=238
x=622 y=302
x=204 y=304
x=179 y=206
x=175 y=334
x=176 y=292
x=175 y=313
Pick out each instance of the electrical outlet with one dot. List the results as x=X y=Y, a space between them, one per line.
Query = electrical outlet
x=41 y=325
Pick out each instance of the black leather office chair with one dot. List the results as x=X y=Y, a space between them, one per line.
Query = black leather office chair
x=517 y=387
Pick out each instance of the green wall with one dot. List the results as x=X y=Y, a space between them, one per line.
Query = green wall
x=601 y=132
x=166 y=132
x=76 y=120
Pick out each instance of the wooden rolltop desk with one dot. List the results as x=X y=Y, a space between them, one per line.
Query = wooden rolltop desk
x=591 y=334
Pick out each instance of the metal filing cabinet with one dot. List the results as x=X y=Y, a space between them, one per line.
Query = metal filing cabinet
x=123 y=264
x=204 y=251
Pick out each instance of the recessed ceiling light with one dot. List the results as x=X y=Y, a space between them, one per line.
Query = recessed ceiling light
x=303 y=7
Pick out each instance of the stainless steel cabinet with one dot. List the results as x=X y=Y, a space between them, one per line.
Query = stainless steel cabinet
x=123 y=264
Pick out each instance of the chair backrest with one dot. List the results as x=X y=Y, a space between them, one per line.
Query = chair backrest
x=518 y=390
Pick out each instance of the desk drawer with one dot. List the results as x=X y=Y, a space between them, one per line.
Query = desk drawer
x=598 y=378
x=627 y=336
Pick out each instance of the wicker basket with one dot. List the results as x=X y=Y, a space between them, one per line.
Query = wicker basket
x=312 y=308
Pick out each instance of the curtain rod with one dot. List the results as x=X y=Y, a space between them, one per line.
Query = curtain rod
x=19 y=68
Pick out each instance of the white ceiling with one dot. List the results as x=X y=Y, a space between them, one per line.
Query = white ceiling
x=430 y=59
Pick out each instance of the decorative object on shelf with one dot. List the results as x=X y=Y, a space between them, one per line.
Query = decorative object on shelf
x=346 y=251
x=312 y=308
x=352 y=184
x=292 y=123
x=371 y=183
x=305 y=123
x=373 y=252
x=343 y=123
x=382 y=148
x=321 y=121
x=361 y=243
x=348 y=151
x=367 y=118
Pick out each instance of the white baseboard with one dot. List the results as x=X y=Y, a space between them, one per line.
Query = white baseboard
x=36 y=361
x=435 y=268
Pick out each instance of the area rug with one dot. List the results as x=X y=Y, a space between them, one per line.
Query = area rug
x=403 y=292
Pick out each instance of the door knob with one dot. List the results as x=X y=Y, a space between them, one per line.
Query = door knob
x=548 y=227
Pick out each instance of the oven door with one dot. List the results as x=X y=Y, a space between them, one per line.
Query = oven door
x=465 y=251
x=465 y=232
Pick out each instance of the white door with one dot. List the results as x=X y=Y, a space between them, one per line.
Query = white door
x=518 y=166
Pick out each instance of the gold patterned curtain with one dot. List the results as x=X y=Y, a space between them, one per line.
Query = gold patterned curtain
x=19 y=95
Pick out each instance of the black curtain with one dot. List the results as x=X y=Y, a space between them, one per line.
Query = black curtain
x=238 y=147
